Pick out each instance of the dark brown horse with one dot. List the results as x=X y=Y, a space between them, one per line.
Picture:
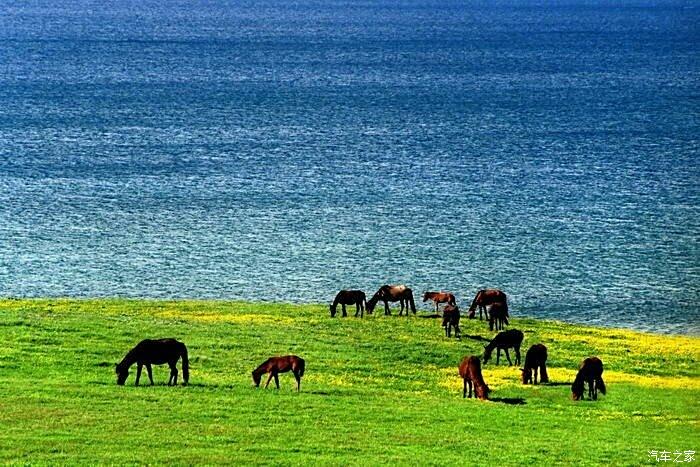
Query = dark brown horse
x=498 y=316
x=450 y=320
x=485 y=298
x=439 y=297
x=277 y=365
x=349 y=297
x=470 y=371
x=505 y=340
x=591 y=373
x=154 y=352
x=393 y=293
x=535 y=358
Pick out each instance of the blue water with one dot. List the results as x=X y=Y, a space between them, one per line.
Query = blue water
x=283 y=150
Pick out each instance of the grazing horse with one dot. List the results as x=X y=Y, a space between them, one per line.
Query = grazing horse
x=590 y=372
x=535 y=358
x=450 y=320
x=277 y=365
x=393 y=293
x=484 y=298
x=470 y=371
x=350 y=297
x=505 y=340
x=439 y=297
x=154 y=352
x=498 y=316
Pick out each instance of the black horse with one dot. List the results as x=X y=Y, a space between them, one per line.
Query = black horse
x=156 y=352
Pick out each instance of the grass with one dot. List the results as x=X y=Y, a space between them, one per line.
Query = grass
x=377 y=390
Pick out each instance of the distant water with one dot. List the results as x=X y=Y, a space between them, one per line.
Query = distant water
x=282 y=150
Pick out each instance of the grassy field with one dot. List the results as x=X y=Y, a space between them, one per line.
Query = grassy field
x=376 y=390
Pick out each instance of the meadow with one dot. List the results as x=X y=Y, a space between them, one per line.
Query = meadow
x=377 y=390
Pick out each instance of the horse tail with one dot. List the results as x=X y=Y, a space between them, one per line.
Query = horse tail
x=185 y=364
x=301 y=366
x=600 y=384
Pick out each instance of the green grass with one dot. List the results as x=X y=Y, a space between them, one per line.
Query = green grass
x=377 y=390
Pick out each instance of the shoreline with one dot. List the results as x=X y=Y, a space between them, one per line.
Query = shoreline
x=695 y=334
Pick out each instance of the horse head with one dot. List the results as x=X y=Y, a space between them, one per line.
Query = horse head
x=526 y=375
x=333 y=308
x=487 y=354
x=256 y=378
x=122 y=374
x=426 y=296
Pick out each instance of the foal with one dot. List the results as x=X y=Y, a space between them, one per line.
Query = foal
x=156 y=352
x=505 y=340
x=535 y=358
x=450 y=320
x=349 y=297
x=470 y=371
x=276 y=365
x=439 y=297
x=590 y=372
x=498 y=316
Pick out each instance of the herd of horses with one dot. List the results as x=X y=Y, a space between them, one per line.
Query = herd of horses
x=491 y=303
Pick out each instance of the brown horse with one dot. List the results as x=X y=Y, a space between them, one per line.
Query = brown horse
x=393 y=293
x=154 y=352
x=450 y=320
x=470 y=371
x=484 y=298
x=277 y=365
x=535 y=358
x=498 y=316
x=439 y=297
x=505 y=340
x=349 y=297
x=590 y=372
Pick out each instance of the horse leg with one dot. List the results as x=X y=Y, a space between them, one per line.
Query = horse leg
x=458 y=333
x=464 y=393
x=595 y=390
x=498 y=355
x=387 y=312
x=517 y=356
x=268 y=380
x=298 y=378
x=173 y=374
x=138 y=373
x=150 y=372
x=470 y=389
x=536 y=370
x=345 y=314
x=508 y=357
x=277 y=380
x=357 y=309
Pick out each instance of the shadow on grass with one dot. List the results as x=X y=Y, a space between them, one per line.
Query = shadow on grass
x=557 y=383
x=477 y=338
x=509 y=400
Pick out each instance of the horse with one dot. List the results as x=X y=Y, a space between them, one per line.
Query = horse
x=535 y=358
x=439 y=297
x=277 y=365
x=393 y=293
x=450 y=320
x=591 y=372
x=484 y=298
x=505 y=340
x=498 y=316
x=470 y=371
x=350 y=297
x=154 y=352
